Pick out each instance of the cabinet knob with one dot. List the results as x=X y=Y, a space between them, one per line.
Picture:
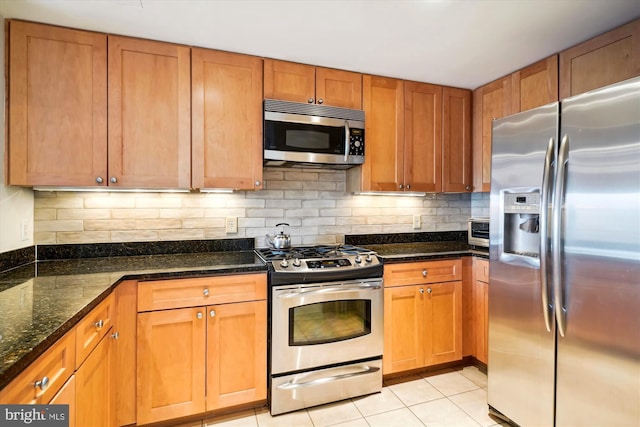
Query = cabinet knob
x=400 y=187
x=115 y=335
x=320 y=101
x=205 y=292
x=429 y=290
x=310 y=100
x=99 y=324
x=113 y=180
x=42 y=384
x=199 y=315
x=468 y=188
x=212 y=313
x=258 y=183
x=424 y=273
x=99 y=180
x=408 y=186
x=421 y=291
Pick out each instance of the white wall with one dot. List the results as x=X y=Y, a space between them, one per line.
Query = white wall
x=16 y=204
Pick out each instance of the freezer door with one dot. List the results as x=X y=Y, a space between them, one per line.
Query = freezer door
x=598 y=361
x=521 y=348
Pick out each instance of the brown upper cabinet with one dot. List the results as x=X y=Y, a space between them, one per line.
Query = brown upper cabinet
x=149 y=114
x=535 y=85
x=57 y=105
x=226 y=120
x=417 y=134
x=609 y=58
x=295 y=82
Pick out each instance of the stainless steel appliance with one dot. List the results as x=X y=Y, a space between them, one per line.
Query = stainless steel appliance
x=325 y=329
x=312 y=136
x=478 y=232
x=564 y=283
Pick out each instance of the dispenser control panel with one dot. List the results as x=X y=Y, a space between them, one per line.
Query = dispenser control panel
x=522 y=203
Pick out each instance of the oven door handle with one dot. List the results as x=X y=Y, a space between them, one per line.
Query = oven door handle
x=292 y=386
x=324 y=290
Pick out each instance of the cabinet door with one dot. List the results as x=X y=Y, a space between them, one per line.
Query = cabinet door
x=383 y=101
x=149 y=114
x=422 y=169
x=443 y=322
x=93 y=327
x=535 y=85
x=67 y=396
x=170 y=364
x=456 y=141
x=124 y=348
x=94 y=389
x=226 y=120
x=609 y=58
x=480 y=319
x=338 y=88
x=490 y=102
x=289 y=81
x=236 y=354
x=57 y=105
x=403 y=329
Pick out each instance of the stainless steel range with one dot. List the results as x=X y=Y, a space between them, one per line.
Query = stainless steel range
x=326 y=330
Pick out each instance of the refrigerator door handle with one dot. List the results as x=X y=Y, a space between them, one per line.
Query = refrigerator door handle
x=545 y=214
x=558 y=203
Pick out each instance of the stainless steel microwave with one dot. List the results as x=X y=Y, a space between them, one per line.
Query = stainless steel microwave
x=310 y=135
x=478 y=232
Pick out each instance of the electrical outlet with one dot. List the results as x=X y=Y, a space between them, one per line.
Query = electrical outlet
x=416 y=222
x=24 y=230
x=231 y=224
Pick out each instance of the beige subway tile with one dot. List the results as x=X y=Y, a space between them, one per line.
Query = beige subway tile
x=194 y=234
x=182 y=213
x=366 y=212
x=44 y=238
x=398 y=228
x=319 y=203
x=134 y=236
x=338 y=212
x=265 y=213
x=335 y=229
x=303 y=231
x=83 y=237
x=351 y=220
x=251 y=222
x=269 y=174
x=265 y=194
x=301 y=195
x=335 y=176
x=221 y=213
x=285 y=204
x=58 y=225
x=219 y=233
x=382 y=220
x=306 y=222
x=366 y=229
x=161 y=202
x=316 y=185
x=44 y=214
x=45 y=194
x=308 y=212
x=203 y=223
x=109 y=202
x=135 y=213
x=84 y=214
x=325 y=239
x=109 y=224
x=294 y=175
x=157 y=224
x=293 y=222
x=57 y=202
x=246 y=203
x=284 y=185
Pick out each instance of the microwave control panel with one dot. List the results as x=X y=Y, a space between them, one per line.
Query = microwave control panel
x=356 y=142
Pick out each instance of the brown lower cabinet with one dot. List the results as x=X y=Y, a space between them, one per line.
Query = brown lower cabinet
x=94 y=404
x=480 y=304
x=201 y=358
x=422 y=314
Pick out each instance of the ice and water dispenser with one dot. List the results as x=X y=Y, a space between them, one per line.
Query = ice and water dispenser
x=522 y=223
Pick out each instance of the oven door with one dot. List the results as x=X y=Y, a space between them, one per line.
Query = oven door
x=312 y=139
x=324 y=324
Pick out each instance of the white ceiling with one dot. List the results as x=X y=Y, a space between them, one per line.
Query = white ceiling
x=463 y=43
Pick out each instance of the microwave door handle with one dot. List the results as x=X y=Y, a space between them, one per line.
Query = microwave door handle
x=347 y=139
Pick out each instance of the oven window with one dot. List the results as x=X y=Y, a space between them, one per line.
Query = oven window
x=330 y=321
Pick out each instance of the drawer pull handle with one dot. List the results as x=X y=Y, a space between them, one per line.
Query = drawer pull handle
x=99 y=324
x=42 y=384
x=424 y=273
x=205 y=292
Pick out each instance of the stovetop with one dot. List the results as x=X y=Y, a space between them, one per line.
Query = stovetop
x=323 y=262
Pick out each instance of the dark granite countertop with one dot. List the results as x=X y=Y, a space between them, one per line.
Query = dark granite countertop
x=43 y=300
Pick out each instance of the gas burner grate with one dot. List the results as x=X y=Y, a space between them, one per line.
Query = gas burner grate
x=307 y=252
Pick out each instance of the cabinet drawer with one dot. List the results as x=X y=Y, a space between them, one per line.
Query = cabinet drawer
x=56 y=365
x=178 y=293
x=412 y=273
x=93 y=327
x=481 y=270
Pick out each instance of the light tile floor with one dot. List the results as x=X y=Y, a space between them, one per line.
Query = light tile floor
x=454 y=397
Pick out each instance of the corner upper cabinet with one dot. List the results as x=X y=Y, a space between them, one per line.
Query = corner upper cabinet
x=603 y=60
x=535 y=85
x=57 y=105
x=490 y=102
x=226 y=120
x=456 y=141
x=290 y=81
x=149 y=114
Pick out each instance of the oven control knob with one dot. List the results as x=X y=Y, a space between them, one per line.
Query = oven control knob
x=284 y=263
x=358 y=259
x=369 y=258
x=296 y=262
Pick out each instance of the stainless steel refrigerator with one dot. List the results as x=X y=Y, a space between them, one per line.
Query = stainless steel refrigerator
x=564 y=283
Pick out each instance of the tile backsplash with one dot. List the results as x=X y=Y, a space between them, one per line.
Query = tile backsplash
x=313 y=202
